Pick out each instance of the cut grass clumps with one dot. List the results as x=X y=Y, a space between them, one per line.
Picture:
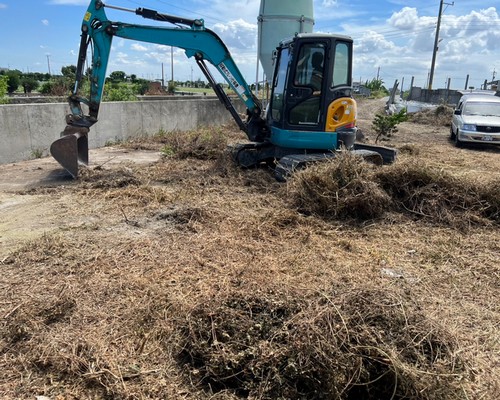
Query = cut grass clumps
x=351 y=344
x=202 y=144
x=433 y=194
x=99 y=178
x=348 y=188
x=340 y=188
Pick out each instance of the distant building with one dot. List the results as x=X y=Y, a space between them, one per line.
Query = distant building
x=493 y=85
x=359 y=88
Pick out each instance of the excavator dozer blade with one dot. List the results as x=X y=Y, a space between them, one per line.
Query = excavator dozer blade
x=72 y=149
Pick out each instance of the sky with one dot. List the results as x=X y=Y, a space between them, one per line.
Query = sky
x=393 y=39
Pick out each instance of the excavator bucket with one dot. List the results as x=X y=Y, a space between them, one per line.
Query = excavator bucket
x=72 y=149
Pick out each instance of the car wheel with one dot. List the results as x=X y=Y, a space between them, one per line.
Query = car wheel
x=452 y=134
x=458 y=143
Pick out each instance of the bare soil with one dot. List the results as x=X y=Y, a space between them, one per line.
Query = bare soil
x=188 y=278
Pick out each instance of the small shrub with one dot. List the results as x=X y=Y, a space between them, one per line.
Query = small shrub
x=55 y=87
x=37 y=153
x=3 y=89
x=119 y=92
x=386 y=125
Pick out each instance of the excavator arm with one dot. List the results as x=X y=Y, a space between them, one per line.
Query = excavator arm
x=191 y=35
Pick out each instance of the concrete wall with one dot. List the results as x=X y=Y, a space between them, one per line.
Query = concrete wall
x=27 y=130
x=438 y=96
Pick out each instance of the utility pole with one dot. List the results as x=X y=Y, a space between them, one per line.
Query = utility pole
x=436 y=41
x=162 y=77
x=172 y=62
x=48 y=62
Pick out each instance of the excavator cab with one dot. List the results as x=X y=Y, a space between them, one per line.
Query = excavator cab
x=311 y=105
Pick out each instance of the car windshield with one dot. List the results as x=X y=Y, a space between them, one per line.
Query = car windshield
x=484 y=109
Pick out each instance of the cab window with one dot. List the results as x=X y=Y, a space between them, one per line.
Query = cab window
x=341 y=65
x=277 y=101
x=310 y=67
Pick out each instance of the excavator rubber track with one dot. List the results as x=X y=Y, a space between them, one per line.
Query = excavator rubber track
x=289 y=164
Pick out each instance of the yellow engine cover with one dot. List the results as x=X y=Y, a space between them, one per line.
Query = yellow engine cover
x=341 y=112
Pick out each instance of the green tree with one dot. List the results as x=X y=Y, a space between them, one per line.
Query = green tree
x=118 y=76
x=14 y=77
x=377 y=87
x=69 y=72
x=141 y=86
x=29 y=83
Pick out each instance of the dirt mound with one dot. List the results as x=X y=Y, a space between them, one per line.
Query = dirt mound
x=439 y=116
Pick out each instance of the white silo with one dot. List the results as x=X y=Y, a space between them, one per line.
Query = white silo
x=278 y=20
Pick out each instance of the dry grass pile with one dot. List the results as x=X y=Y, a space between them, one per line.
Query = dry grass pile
x=204 y=144
x=105 y=179
x=347 y=187
x=350 y=344
x=439 y=116
x=340 y=188
x=432 y=193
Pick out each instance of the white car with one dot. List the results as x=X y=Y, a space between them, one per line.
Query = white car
x=476 y=120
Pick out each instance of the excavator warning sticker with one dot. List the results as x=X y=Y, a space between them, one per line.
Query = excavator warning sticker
x=87 y=16
x=234 y=83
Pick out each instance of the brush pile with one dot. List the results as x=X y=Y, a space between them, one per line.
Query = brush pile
x=351 y=343
x=346 y=187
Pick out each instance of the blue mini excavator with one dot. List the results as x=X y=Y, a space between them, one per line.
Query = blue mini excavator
x=311 y=114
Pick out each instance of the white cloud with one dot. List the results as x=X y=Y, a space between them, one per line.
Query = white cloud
x=373 y=42
x=2 y=5
x=45 y=22
x=237 y=34
x=402 y=44
x=329 y=3
x=224 y=10
x=406 y=19
x=138 y=47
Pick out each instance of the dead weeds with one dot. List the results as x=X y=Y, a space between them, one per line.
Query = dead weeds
x=359 y=343
x=349 y=188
